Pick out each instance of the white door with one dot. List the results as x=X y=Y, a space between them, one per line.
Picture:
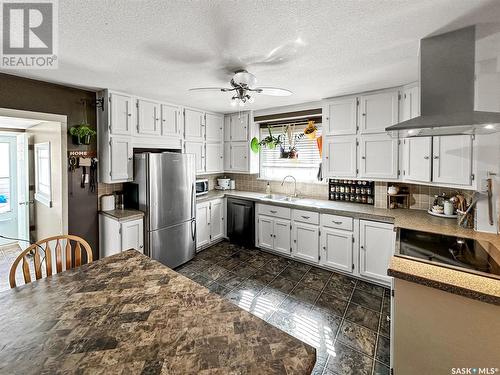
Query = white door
x=336 y=249
x=194 y=125
x=121 y=156
x=378 y=154
x=339 y=156
x=198 y=149
x=214 y=125
x=202 y=224
x=23 y=195
x=376 y=247
x=239 y=127
x=121 y=114
x=216 y=219
x=8 y=190
x=411 y=103
x=214 y=157
x=282 y=234
x=305 y=244
x=170 y=121
x=417 y=158
x=266 y=235
x=452 y=159
x=132 y=234
x=148 y=122
x=239 y=156
x=378 y=111
x=340 y=117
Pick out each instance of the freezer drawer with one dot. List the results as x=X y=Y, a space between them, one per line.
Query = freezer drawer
x=174 y=245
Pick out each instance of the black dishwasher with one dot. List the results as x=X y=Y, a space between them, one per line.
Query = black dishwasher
x=241 y=222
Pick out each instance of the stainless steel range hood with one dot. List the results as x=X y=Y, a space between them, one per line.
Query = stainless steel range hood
x=447 y=75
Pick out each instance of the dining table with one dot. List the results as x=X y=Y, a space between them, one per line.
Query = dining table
x=129 y=314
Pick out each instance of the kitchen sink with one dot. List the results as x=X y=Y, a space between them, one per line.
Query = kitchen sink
x=282 y=198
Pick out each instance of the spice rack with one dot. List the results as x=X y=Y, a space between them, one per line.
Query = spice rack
x=354 y=191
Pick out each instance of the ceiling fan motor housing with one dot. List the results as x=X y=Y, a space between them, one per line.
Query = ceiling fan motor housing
x=244 y=79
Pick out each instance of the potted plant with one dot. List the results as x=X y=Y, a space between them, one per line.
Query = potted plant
x=81 y=134
x=271 y=141
x=290 y=151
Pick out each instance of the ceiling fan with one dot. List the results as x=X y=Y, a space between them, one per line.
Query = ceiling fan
x=243 y=85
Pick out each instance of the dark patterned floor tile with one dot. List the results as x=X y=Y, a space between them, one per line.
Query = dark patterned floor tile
x=386 y=305
x=370 y=288
x=347 y=361
x=241 y=298
x=274 y=266
x=292 y=304
x=202 y=280
x=230 y=280
x=328 y=322
x=319 y=367
x=315 y=279
x=251 y=286
x=305 y=293
x=358 y=337
x=271 y=297
x=213 y=272
x=242 y=256
x=199 y=264
x=282 y=284
x=367 y=300
x=229 y=263
x=269 y=256
x=298 y=324
x=363 y=316
x=383 y=349
x=219 y=289
x=385 y=325
x=381 y=369
x=331 y=304
x=293 y=273
x=187 y=271
x=257 y=261
x=340 y=286
x=244 y=270
x=262 y=276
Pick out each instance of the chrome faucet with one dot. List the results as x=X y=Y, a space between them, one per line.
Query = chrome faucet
x=294 y=184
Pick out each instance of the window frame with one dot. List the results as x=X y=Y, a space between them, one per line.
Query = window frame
x=42 y=195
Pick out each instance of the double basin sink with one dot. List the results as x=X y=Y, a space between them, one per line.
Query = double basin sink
x=290 y=199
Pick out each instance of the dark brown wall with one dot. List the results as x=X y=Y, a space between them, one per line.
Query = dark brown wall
x=38 y=96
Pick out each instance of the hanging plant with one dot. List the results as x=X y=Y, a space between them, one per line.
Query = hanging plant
x=310 y=130
x=290 y=151
x=82 y=133
x=270 y=141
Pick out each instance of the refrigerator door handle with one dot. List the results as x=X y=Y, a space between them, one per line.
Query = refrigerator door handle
x=193 y=232
x=193 y=200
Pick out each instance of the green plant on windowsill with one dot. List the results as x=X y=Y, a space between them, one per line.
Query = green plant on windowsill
x=82 y=134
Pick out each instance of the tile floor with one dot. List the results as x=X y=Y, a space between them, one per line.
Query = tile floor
x=7 y=256
x=346 y=319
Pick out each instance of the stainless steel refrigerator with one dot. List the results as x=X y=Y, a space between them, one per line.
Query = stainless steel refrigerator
x=167 y=194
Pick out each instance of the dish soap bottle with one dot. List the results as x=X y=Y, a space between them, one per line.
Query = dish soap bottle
x=268 y=189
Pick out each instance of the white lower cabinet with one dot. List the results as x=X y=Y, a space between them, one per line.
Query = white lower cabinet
x=305 y=244
x=337 y=248
x=274 y=234
x=210 y=222
x=117 y=235
x=376 y=247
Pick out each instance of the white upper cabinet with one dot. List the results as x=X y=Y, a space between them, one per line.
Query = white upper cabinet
x=214 y=127
x=378 y=111
x=214 y=157
x=340 y=116
x=417 y=156
x=452 y=159
x=238 y=156
x=337 y=249
x=194 y=125
x=171 y=124
x=339 y=156
x=238 y=126
x=305 y=244
x=121 y=114
x=198 y=149
x=378 y=154
x=148 y=118
x=410 y=106
x=121 y=159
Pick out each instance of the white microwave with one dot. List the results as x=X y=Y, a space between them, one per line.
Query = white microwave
x=201 y=187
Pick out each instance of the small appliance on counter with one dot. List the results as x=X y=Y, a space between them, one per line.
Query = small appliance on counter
x=201 y=187
x=119 y=200
x=225 y=183
x=444 y=206
x=108 y=202
x=353 y=191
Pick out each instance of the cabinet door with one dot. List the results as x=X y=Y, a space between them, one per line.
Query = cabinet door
x=378 y=154
x=148 y=122
x=121 y=118
x=378 y=111
x=339 y=156
x=239 y=127
x=227 y=156
x=337 y=246
x=216 y=219
x=132 y=234
x=282 y=234
x=214 y=158
x=202 y=224
x=340 y=117
x=198 y=149
x=194 y=125
x=410 y=103
x=452 y=159
x=305 y=241
x=227 y=128
x=170 y=121
x=214 y=125
x=376 y=247
x=239 y=156
x=121 y=159
x=266 y=235
x=417 y=158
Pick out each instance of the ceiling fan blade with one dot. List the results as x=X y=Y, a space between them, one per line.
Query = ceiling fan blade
x=274 y=91
x=223 y=89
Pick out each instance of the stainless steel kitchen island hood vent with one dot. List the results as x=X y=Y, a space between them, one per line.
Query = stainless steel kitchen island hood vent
x=447 y=75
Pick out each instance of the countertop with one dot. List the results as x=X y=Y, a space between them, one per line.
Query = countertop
x=130 y=314
x=473 y=286
x=123 y=215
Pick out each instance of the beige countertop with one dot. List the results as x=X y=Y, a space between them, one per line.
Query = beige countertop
x=473 y=286
x=123 y=215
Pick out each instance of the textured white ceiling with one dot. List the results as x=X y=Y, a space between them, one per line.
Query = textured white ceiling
x=160 y=49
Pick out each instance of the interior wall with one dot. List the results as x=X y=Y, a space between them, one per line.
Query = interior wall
x=31 y=95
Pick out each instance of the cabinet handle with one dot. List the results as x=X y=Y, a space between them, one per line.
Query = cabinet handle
x=295 y=241
x=436 y=157
x=306 y=217
x=388 y=318
x=140 y=247
x=271 y=234
x=427 y=158
x=130 y=115
x=324 y=248
x=336 y=222
x=130 y=158
x=272 y=211
x=363 y=157
x=362 y=247
x=363 y=114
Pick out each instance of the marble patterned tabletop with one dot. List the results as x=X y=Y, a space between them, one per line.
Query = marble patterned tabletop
x=129 y=314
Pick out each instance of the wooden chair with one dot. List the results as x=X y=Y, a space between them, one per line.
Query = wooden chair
x=73 y=259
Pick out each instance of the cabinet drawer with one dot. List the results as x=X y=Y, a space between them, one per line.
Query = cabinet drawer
x=336 y=221
x=305 y=216
x=275 y=211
